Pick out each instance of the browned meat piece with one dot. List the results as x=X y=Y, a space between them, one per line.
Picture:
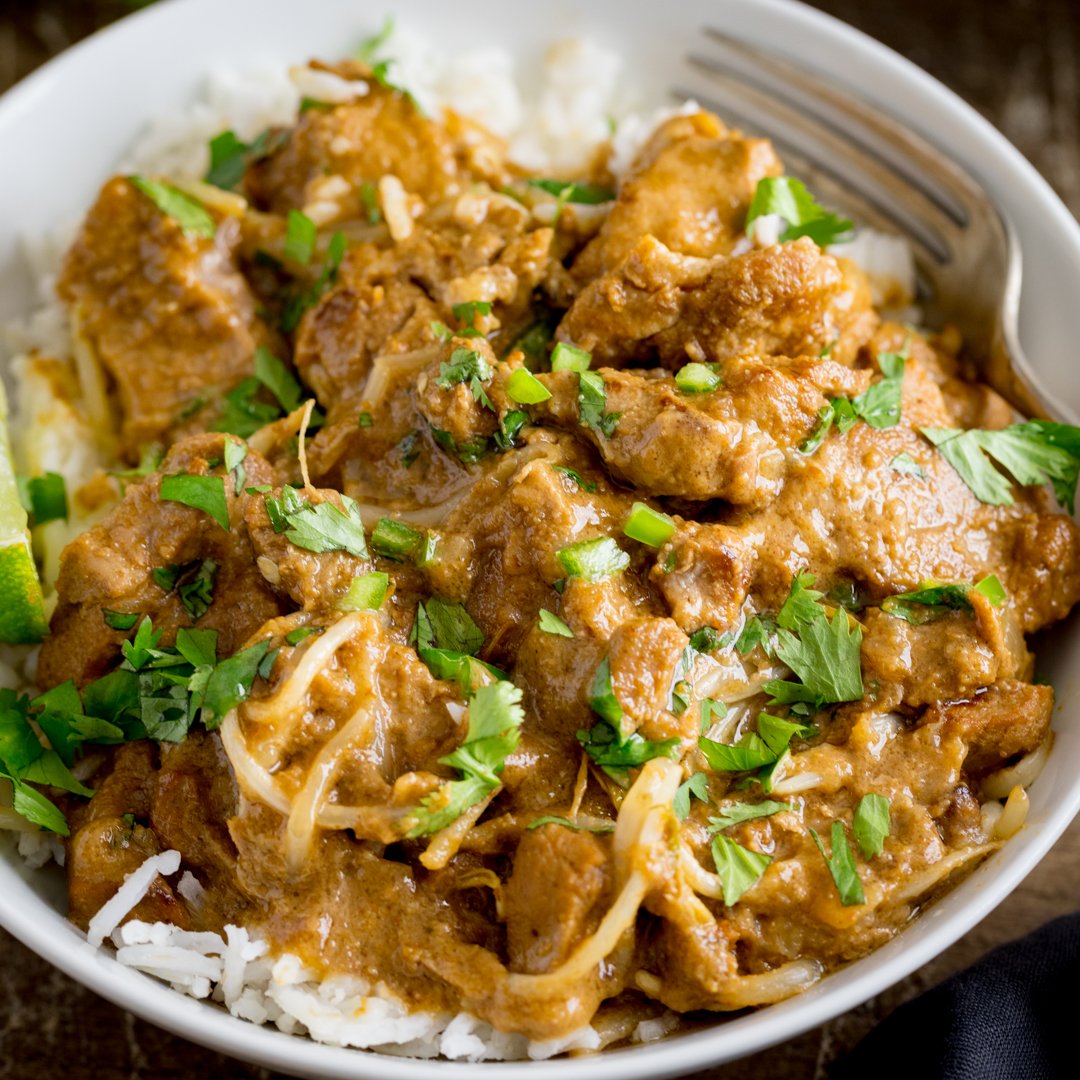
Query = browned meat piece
x=125 y=788
x=360 y=141
x=710 y=578
x=313 y=580
x=99 y=856
x=644 y=654
x=475 y=247
x=786 y=300
x=169 y=314
x=1008 y=719
x=950 y=658
x=555 y=897
x=111 y=566
x=696 y=962
x=194 y=798
x=355 y=322
x=730 y=444
x=715 y=171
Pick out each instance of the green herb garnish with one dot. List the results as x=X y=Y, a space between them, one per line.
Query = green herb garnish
x=841 y=865
x=738 y=868
x=192 y=217
x=788 y=197
x=206 y=493
x=592 y=402
x=1032 y=453
x=871 y=824
x=552 y=624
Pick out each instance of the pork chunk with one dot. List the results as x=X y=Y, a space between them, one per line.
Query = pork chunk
x=715 y=171
x=169 y=315
x=111 y=566
x=555 y=897
x=785 y=300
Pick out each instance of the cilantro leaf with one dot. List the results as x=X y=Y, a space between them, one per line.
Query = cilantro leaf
x=592 y=401
x=566 y=823
x=825 y=656
x=552 y=624
x=574 y=475
x=119 y=620
x=758 y=630
x=300 y=234
x=802 y=606
x=192 y=217
x=230 y=156
x=750 y=752
x=907 y=465
x=301 y=299
x=206 y=493
x=696 y=785
x=278 y=379
x=871 y=824
x=878 y=405
x=44 y=498
x=606 y=742
x=569 y=192
x=841 y=865
x=1032 y=453
x=495 y=718
x=738 y=868
x=242 y=414
x=323 y=526
x=931 y=600
x=230 y=683
x=736 y=813
x=788 y=197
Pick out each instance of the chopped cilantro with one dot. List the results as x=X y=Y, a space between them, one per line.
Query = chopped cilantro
x=738 y=868
x=294 y=637
x=467 y=366
x=932 y=600
x=788 y=197
x=574 y=475
x=119 y=620
x=44 y=497
x=1032 y=452
x=736 y=813
x=303 y=299
x=592 y=402
x=206 y=493
x=495 y=718
x=569 y=192
x=192 y=217
x=319 y=526
x=607 y=743
x=696 y=785
x=566 y=823
x=841 y=865
x=300 y=236
x=871 y=824
x=552 y=624
x=906 y=464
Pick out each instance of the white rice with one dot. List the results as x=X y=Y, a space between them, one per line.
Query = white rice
x=344 y=1010
x=581 y=101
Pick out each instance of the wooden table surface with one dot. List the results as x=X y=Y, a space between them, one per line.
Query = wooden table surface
x=1018 y=62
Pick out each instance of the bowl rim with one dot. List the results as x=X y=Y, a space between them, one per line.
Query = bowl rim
x=53 y=938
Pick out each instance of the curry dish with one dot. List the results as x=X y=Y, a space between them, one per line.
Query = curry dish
x=552 y=599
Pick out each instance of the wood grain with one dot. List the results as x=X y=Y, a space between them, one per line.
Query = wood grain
x=1018 y=62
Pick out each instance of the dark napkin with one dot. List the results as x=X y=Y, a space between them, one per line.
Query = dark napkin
x=1015 y=1015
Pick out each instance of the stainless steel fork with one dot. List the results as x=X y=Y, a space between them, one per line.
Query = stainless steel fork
x=882 y=174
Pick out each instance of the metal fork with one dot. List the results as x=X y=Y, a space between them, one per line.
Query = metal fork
x=884 y=175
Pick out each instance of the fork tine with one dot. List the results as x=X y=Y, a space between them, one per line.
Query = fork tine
x=879 y=194
x=813 y=92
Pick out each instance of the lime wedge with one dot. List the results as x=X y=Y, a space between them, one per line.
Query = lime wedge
x=22 y=614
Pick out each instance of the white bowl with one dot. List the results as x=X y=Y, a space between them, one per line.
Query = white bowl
x=63 y=129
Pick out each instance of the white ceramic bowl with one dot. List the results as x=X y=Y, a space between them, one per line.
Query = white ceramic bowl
x=62 y=130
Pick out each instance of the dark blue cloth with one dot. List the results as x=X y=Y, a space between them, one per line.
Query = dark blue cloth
x=1014 y=1015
